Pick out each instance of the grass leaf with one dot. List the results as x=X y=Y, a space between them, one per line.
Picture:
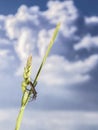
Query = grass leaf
x=47 y=52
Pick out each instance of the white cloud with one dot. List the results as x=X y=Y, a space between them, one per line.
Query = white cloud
x=32 y=20
x=25 y=28
x=55 y=9
x=58 y=71
x=64 y=12
x=30 y=30
x=91 y=20
x=29 y=12
x=5 y=59
x=87 y=42
x=59 y=120
x=25 y=44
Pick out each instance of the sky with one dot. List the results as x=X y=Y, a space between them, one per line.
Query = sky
x=67 y=89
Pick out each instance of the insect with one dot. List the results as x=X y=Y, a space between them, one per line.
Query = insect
x=33 y=90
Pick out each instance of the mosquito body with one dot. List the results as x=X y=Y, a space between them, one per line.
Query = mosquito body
x=33 y=90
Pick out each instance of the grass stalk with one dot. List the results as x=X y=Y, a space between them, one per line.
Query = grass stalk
x=19 y=118
x=26 y=81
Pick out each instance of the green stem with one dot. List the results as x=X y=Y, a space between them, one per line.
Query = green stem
x=19 y=118
x=25 y=99
x=26 y=95
x=47 y=52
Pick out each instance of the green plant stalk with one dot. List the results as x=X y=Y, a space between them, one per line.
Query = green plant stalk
x=25 y=97
x=26 y=75
x=19 y=118
x=47 y=52
x=24 y=102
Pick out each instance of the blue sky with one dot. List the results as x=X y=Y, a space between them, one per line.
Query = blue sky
x=11 y=6
x=68 y=84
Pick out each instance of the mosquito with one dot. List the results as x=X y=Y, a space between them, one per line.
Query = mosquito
x=33 y=90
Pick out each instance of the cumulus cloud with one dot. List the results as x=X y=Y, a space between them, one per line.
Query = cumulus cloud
x=91 y=20
x=29 y=32
x=33 y=27
x=59 y=71
x=87 y=42
x=67 y=19
x=30 y=29
x=67 y=9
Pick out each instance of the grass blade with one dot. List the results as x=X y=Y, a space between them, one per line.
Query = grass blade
x=47 y=52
